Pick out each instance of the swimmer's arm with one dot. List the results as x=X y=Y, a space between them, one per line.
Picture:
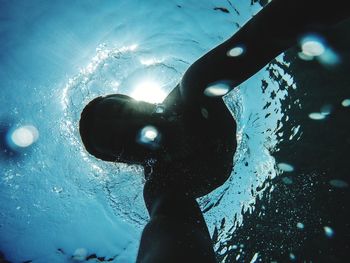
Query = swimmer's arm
x=273 y=30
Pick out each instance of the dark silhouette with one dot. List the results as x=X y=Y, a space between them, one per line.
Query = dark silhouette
x=189 y=150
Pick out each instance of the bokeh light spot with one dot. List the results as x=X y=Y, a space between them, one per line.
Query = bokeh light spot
x=216 y=89
x=316 y=116
x=292 y=256
x=236 y=51
x=312 y=45
x=300 y=225
x=149 y=136
x=346 y=103
x=159 y=109
x=329 y=232
x=24 y=136
x=285 y=167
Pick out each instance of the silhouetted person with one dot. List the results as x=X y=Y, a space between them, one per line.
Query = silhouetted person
x=187 y=143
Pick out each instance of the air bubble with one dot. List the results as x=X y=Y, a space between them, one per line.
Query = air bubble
x=159 y=109
x=149 y=136
x=328 y=231
x=236 y=51
x=317 y=116
x=217 y=89
x=285 y=167
x=300 y=225
x=24 y=136
x=346 y=103
x=312 y=46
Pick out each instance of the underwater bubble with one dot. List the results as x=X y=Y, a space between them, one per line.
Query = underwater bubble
x=24 y=136
x=292 y=256
x=312 y=45
x=216 y=89
x=236 y=51
x=80 y=254
x=328 y=231
x=300 y=225
x=285 y=167
x=338 y=183
x=313 y=48
x=316 y=116
x=346 y=103
x=149 y=133
x=159 y=109
x=149 y=136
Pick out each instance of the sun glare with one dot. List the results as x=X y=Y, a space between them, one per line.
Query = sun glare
x=149 y=91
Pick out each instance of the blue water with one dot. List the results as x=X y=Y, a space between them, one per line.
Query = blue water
x=55 y=196
x=54 y=58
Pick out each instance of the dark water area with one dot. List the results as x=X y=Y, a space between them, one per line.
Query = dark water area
x=305 y=217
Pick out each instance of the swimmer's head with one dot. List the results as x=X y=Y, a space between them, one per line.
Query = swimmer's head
x=120 y=129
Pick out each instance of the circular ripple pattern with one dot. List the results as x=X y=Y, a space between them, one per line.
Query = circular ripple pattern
x=124 y=70
x=129 y=68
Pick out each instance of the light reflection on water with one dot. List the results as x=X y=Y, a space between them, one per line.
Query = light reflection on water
x=256 y=105
x=315 y=46
x=256 y=132
x=123 y=66
x=258 y=114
